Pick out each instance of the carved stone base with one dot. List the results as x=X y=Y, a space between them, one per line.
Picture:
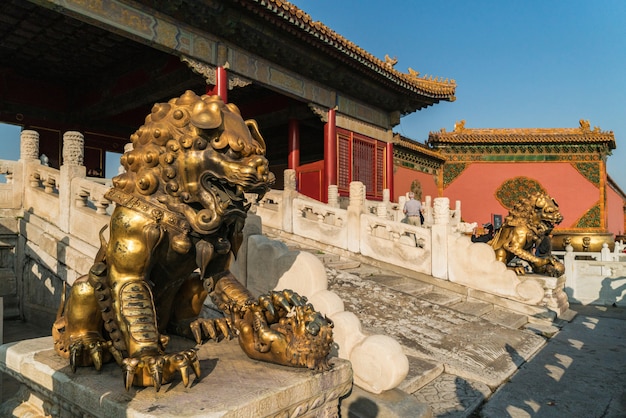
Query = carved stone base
x=555 y=297
x=231 y=385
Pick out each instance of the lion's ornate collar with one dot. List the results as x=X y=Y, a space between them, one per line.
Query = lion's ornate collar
x=161 y=215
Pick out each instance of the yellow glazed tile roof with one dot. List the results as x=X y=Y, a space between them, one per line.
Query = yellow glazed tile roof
x=469 y=136
x=407 y=143
x=429 y=86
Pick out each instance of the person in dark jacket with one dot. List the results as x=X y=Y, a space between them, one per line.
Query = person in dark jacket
x=484 y=234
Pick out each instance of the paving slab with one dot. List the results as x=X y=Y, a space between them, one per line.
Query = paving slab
x=343 y=264
x=442 y=297
x=421 y=372
x=403 y=284
x=470 y=347
x=451 y=396
x=475 y=308
x=580 y=373
x=545 y=330
x=506 y=318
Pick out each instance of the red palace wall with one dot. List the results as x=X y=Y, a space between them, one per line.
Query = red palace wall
x=403 y=177
x=476 y=186
x=615 y=207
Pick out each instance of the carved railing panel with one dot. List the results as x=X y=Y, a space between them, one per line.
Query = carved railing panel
x=44 y=178
x=396 y=243
x=41 y=191
x=320 y=222
x=90 y=211
x=270 y=209
x=7 y=168
x=90 y=194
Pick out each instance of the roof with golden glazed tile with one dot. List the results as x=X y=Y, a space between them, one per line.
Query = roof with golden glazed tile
x=417 y=147
x=461 y=135
x=429 y=86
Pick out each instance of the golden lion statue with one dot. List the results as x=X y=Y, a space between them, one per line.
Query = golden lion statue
x=180 y=209
x=528 y=222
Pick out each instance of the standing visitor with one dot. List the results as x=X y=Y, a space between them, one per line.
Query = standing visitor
x=412 y=210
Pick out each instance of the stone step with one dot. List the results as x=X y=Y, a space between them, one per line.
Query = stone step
x=473 y=307
x=326 y=258
x=468 y=346
x=402 y=284
x=442 y=297
x=506 y=318
x=421 y=373
x=343 y=264
x=545 y=330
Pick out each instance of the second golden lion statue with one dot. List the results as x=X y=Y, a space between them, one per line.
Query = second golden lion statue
x=180 y=209
x=528 y=222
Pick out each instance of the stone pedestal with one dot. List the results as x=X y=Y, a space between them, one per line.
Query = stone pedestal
x=555 y=297
x=231 y=385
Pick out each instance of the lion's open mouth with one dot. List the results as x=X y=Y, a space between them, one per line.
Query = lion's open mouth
x=230 y=196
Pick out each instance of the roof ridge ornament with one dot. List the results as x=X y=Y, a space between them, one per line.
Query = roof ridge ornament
x=584 y=125
x=390 y=62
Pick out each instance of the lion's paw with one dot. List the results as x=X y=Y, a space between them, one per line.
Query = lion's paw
x=91 y=351
x=154 y=370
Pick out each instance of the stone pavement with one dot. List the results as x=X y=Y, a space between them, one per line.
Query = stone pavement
x=580 y=373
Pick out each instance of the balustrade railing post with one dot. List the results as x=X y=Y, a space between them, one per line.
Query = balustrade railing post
x=428 y=210
x=569 y=261
x=401 y=201
x=29 y=153
x=73 y=157
x=439 y=231
x=333 y=196
x=289 y=193
x=355 y=209
x=29 y=145
x=605 y=255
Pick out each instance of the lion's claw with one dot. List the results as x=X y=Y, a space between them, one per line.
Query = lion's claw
x=130 y=368
x=159 y=369
x=90 y=351
x=212 y=328
x=183 y=361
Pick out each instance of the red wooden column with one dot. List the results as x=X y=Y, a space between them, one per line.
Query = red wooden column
x=330 y=153
x=389 y=170
x=293 y=161
x=221 y=84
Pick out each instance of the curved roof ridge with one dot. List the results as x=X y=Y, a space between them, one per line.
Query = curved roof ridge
x=461 y=134
x=427 y=85
x=417 y=146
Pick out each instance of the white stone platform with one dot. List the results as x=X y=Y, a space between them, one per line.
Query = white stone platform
x=231 y=385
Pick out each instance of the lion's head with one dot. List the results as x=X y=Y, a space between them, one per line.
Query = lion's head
x=539 y=212
x=197 y=156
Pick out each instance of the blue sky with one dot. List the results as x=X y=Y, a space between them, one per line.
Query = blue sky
x=517 y=64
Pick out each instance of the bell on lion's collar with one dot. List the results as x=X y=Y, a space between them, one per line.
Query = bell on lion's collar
x=181 y=243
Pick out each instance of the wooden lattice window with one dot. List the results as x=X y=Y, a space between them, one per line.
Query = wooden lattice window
x=344 y=163
x=360 y=158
